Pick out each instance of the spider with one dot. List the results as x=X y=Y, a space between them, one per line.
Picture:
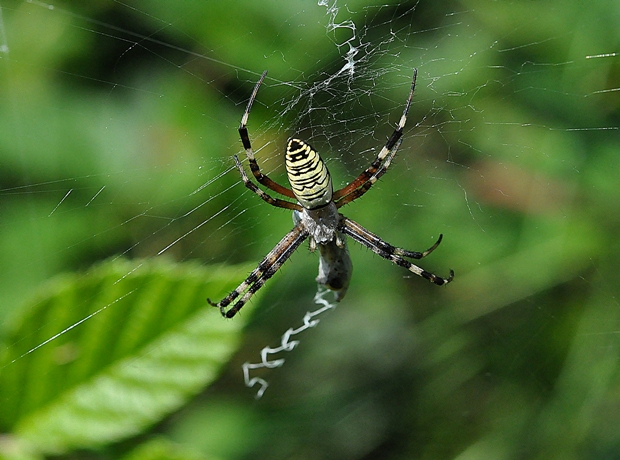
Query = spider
x=316 y=216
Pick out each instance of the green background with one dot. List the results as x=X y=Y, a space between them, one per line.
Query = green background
x=118 y=122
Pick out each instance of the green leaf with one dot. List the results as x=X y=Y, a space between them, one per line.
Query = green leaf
x=99 y=357
x=12 y=448
x=160 y=448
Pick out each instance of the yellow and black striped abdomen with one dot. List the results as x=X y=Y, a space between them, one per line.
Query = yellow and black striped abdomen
x=308 y=175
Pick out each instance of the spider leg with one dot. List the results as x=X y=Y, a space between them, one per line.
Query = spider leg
x=272 y=201
x=389 y=252
x=355 y=194
x=391 y=145
x=245 y=140
x=265 y=270
x=416 y=254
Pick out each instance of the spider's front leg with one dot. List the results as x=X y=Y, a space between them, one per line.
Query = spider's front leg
x=222 y=304
x=392 y=253
x=265 y=270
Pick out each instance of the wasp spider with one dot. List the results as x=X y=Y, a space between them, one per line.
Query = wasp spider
x=316 y=216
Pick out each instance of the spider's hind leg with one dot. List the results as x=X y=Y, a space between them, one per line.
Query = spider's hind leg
x=249 y=152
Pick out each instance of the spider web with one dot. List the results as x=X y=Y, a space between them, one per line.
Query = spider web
x=509 y=152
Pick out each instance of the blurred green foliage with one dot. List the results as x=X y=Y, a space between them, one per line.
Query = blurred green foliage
x=98 y=357
x=117 y=127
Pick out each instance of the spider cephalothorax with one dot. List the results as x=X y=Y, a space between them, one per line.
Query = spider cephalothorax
x=316 y=216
